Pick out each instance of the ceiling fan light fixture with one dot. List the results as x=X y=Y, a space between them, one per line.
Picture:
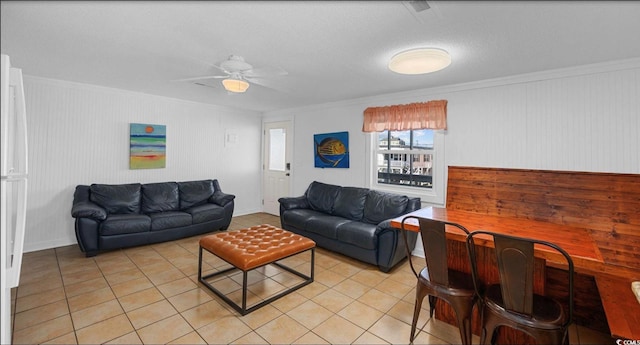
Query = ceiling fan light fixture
x=420 y=61
x=235 y=85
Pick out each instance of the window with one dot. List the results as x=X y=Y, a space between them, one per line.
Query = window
x=408 y=162
x=405 y=158
x=406 y=149
x=277 y=149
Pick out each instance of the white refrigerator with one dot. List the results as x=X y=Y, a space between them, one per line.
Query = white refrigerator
x=13 y=171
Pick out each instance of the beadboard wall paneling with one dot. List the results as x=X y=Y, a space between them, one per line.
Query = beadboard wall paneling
x=327 y=121
x=579 y=123
x=79 y=134
x=578 y=119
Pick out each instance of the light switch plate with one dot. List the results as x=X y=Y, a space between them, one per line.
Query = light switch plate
x=230 y=138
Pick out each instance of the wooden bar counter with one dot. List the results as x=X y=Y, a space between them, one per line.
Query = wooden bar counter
x=576 y=241
x=593 y=216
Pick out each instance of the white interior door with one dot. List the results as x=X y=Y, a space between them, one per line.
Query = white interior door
x=278 y=143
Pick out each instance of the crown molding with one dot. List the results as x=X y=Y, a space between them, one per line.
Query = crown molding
x=411 y=96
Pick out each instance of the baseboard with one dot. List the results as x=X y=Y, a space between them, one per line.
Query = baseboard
x=246 y=212
x=419 y=252
x=33 y=247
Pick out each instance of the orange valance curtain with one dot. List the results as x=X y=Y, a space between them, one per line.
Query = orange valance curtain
x=429 y=115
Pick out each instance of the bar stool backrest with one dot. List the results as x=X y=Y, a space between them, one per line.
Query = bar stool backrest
x=434 y=243
x=515 y=264
x=515 y=260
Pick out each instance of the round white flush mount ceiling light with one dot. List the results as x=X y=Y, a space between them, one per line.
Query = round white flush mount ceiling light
x=420 y=61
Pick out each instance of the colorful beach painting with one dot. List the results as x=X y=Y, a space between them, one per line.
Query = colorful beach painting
x=148 y=146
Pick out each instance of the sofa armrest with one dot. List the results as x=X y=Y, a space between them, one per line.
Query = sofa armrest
x=383 y=225
x=221 y=198
x=414 y=204
x=391 y=246
x=88 y=209
x=83 y=207
x=293 y=202
x=88 y=235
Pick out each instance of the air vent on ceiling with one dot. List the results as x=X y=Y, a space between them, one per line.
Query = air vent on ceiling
x=207 y=83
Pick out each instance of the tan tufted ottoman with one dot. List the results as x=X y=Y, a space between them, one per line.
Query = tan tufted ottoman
x=251 y=248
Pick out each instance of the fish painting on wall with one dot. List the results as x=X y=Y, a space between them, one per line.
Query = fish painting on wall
x=331 y=150
x=148 y=149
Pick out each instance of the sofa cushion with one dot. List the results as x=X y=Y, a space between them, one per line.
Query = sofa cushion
x=194 y=193
x=118 y=224
x=321 y=196
x=350 y=202
x=326 y=226
x=359 y=234
x=169 y=220
x=205 y=213
x=160 y=197
x=380 y=206
x=299 y=217
x=117 y=199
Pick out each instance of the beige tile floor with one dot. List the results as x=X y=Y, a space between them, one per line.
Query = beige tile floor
x=150 y=295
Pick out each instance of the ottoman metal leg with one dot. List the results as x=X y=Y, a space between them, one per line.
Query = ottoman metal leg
x=243 y=310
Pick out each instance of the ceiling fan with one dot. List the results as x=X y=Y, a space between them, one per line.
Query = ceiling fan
x=238 y=74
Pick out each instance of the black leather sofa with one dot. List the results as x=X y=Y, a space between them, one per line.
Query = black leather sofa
x=350 y=220
x=126 y=215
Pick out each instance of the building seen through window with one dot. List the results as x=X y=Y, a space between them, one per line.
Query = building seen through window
x=406 y=158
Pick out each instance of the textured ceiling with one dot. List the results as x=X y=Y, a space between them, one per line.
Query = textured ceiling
x=331 y=50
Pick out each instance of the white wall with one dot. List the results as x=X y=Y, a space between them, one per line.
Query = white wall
x=79 y=134
x=584 y=118
x=579 y=119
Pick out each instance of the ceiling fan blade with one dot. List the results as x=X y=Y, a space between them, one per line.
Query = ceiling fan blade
x=219 y=68
x=257 y=81
x=265 y=72
x=266 y=84
x=201 y=78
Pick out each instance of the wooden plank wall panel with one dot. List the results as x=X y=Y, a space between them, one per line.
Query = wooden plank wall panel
x=606 y=204
x=588 y=309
